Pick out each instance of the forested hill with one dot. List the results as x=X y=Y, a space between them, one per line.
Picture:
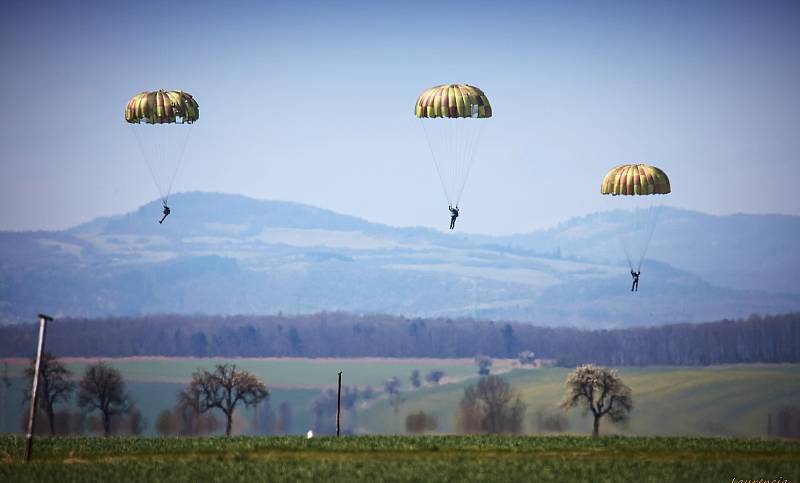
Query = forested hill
x=227 y=254
x=771 y=339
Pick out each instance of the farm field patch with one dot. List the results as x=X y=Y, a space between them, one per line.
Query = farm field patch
x=400 y=458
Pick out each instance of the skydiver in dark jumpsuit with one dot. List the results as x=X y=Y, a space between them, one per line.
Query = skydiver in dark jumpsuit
x=166 y=214
x=453 y=215
x=635 y=285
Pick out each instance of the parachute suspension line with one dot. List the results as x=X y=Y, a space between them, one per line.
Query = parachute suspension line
x=148 y=162
x=626 y=234
x=627 y=251
x=166 y=148
x=448 y=136
x=458 y=159
x=471 y=148
x=435 y=161
x=636 y=238
x=652 y=219
x=161 y=153
x=453 y=160
x=463 y=159
x=453 y=144
x=179 y=161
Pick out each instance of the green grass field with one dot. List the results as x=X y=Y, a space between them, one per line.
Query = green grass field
x=285 y=372
x=401 y=458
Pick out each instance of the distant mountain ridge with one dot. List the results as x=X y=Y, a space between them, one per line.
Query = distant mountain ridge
x=744 y=251
x=228 y=254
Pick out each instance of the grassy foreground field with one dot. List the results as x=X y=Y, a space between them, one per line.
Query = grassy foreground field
x=401 y=458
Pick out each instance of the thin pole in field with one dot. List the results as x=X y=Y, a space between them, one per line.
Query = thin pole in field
x=338 y=403
x=43 y=319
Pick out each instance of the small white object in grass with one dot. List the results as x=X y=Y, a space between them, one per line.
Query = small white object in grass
x=310 y=434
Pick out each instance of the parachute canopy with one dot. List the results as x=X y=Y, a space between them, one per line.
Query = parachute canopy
x=453 y=101
x=633 y=182
x=162 y=107
x=635 y=179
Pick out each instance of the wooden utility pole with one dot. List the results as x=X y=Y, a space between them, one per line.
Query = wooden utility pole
x=43 y=319
x=338 y=403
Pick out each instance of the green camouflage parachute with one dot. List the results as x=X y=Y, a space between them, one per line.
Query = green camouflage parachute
x=628 y=184
x=162 y=107
x=453 y=100
x=635 y=179
x=452 y=117
x=161 y=122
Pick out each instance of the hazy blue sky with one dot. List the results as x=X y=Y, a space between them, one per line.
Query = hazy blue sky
x=313 y=102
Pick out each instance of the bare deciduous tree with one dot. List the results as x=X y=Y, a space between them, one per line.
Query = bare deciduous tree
x=103 y=388
x=491 y=406
x=526 y=358
x=601 y=391
x=367 y=393
x=434 y=377
x=223 y=389
x=391 y=387
x=185 y=420
x=484 y=365
x=324 y=408
x=415 y=380
x=5 y=380
x=5 y=383
x=284 y=418
x=165 y=423
x=546 y=422
x=54 y=386
x=420 y=422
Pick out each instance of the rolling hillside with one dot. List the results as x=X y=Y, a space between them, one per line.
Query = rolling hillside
x=709 y=401
x=225 y=254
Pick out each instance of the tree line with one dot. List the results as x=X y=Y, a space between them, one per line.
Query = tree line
x=489 y=406
x=104 y=403
x=770 y=339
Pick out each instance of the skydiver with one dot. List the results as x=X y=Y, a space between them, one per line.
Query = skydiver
x=166 y=214
x=453 y=215
x=635 y=284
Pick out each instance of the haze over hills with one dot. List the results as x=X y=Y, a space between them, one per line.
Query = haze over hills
x=227 y=254
x=744 y=251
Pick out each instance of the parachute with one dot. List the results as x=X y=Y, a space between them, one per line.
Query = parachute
x=631 y=187
x=451 y=116
x=161 y=121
